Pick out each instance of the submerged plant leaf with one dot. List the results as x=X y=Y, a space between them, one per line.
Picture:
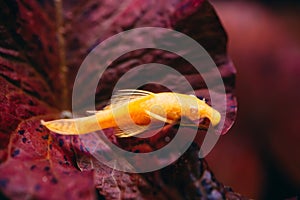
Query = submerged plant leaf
x=42 y=45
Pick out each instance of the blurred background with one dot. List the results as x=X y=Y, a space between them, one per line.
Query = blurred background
x=260 y=155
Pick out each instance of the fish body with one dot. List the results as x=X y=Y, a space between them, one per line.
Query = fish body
x=131 y=111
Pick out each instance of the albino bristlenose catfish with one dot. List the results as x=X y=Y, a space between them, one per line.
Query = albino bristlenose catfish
x=140 y=108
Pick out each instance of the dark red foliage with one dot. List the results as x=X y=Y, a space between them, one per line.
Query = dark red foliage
x=37 y=40
x=267 y=127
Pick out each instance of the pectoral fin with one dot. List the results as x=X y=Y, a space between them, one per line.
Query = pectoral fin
x=183 y=122
x=159 y=118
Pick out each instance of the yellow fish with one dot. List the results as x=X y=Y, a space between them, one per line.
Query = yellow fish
x=131 y=111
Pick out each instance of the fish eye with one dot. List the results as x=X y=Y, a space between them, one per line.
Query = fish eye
x=193 y=110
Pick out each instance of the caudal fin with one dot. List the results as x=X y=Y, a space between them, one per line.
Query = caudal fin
x=62 y=126
x=76 y=126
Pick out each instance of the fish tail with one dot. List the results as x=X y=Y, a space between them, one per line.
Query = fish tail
x=62 y=126
x=72 y=126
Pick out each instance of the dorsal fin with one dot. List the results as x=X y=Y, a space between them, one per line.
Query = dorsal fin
x=121 y=97
x=124 y=96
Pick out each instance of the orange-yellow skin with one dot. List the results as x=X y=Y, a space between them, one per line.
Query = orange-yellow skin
x=141 y=111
